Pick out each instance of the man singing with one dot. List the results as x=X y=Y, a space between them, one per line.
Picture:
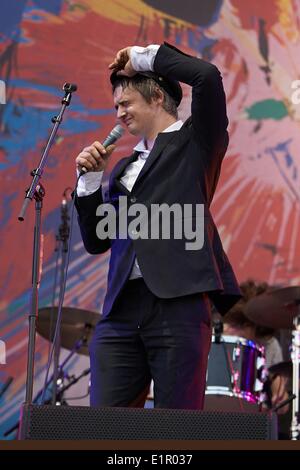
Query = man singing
x=156 y=321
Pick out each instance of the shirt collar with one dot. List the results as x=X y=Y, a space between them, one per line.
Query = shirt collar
x=140 y=147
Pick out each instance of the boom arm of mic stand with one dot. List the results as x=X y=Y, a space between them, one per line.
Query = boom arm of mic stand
x=37 y=174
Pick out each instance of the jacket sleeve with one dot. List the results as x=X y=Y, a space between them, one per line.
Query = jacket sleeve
x=86 y=208
x=209 y=119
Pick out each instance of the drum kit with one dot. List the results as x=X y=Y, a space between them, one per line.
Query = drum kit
x=237 y=378
x=76 y=329
x=236 y=371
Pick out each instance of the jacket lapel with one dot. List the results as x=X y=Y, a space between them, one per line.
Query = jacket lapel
x=118 y=170
x=121 y=165
x=161 y=142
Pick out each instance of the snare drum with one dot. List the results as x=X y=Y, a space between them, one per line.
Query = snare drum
x=236 y=368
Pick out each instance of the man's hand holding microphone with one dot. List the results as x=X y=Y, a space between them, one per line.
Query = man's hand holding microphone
x=95 y=156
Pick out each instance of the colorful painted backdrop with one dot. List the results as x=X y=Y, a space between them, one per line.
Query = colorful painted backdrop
x=45 y=43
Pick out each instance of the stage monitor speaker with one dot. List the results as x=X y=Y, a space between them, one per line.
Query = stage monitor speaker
x=76 y=422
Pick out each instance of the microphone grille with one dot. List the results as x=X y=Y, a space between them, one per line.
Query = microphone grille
x=118 y=131
x=70 y=87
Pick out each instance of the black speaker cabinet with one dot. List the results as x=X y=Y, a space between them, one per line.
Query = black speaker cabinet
x=76 y=422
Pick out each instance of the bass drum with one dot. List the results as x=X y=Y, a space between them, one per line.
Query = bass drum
x=236 y=375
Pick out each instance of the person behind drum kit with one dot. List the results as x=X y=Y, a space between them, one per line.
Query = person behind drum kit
x=235 y=323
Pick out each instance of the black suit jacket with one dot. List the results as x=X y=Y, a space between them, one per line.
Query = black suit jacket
x=183 y=167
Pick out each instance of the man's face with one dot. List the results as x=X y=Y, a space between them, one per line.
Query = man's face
x=134 y=111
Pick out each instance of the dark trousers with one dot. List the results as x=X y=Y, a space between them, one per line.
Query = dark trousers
x=145 y=337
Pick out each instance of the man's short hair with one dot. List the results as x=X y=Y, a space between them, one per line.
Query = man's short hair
x=148 y=84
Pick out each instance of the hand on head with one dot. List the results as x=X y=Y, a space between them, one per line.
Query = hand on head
x=122 y=63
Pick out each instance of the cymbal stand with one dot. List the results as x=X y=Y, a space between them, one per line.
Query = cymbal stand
x=73 y=380
x=295 y=432
x=60 y=371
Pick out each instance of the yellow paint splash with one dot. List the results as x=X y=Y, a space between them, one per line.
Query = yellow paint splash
x=125 y=11
x=286 y=17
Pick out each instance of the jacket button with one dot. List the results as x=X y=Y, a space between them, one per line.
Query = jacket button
x=133 y=199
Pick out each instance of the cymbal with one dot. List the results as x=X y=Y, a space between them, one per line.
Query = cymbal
x=275 y=309
x=76 y=324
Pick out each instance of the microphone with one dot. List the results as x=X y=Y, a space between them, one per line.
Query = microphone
x=69 y=87
x=112 y=137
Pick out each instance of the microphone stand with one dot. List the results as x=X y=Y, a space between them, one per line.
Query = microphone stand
x=63 y=237
x=37 y=192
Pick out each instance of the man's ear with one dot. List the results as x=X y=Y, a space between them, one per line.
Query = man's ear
x=158 y=96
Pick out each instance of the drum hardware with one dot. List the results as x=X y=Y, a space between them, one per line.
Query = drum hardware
x=79 y=347
x=77 y=325
x=59 y=399
x=236 y=369
x=283 y=403
x=236 y=353
x=71 y=381
x=217 y=327
x=281 y=309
